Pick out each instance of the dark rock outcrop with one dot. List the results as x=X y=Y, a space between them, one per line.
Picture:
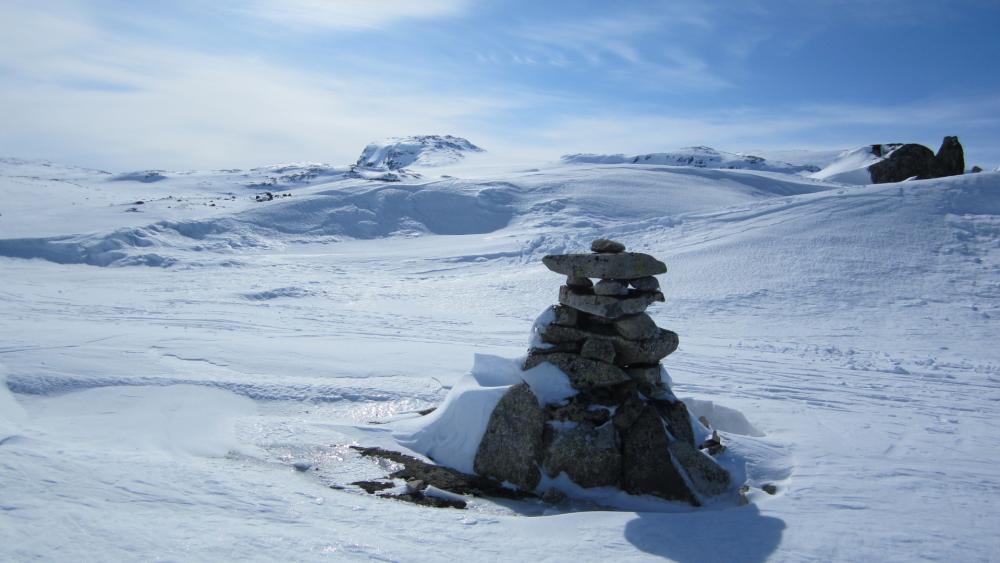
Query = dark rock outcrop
x=950 y=159
x=917 y=161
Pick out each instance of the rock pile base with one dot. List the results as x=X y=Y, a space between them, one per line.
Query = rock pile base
x=623 y=427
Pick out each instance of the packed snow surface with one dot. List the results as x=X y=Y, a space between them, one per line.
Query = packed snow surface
x=183 y=377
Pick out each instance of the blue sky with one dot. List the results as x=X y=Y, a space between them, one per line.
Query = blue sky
x=125 y=84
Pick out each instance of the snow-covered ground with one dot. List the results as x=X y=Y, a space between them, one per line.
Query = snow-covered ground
x=186 y=374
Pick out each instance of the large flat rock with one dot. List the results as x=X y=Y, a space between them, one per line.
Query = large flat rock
x=582 y=372
x=621 y=266
x=627 y=352
x=607 y=306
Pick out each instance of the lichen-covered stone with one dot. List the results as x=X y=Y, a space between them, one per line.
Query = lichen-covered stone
x=675 y=415
x=598 y=349
x=706 y=476
x=648 y=283
x=610 y=287
x=512 y=448
x=627 y=352
x=607 y=306
x=565 y=316
x=576 y=410
x=647 y=468
x=582 y=373
x=647 y=375
x=621 y=266
x=628 y=412
x=604 y=245
x=589 y=455
x=636 y=327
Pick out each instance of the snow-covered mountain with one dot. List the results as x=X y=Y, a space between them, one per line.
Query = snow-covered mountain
x=697 y=157
x=841 y=338
x=421 y=150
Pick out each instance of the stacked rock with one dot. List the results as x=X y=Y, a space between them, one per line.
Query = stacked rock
x=623 y=427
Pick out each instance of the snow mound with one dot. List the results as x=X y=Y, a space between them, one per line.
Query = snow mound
x=422 y=150
x=176 y=420
x=698 y=157
x=850 y=166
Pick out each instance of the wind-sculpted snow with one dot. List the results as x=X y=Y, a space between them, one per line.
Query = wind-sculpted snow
x=841 y=339
x=362 y=213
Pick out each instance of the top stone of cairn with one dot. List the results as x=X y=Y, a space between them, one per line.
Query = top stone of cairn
x=610 y=261
x=607 y=246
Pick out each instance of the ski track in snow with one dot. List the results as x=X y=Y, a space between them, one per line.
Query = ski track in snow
x=160 y=412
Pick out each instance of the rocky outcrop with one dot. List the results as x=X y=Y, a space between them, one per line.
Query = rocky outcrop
x=917 y=161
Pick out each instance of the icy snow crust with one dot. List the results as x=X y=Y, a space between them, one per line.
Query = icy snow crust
x=841 y=338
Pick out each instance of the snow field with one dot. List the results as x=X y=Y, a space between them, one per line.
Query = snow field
x=841 y=338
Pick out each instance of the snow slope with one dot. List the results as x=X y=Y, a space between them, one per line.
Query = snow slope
x=698 y=157
x=842 y=338
x=850 y=167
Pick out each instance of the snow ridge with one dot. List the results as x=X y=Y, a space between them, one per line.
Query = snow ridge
x=697 y=157
x=397 y=153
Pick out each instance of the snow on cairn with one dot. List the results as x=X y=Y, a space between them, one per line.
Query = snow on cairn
x=590 y=407
x=397 y=153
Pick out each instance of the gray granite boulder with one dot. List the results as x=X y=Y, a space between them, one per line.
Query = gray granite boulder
x=636 y=327
x=607 y=246
x=610 y=287
x=589 y=455
x=623 y=266
x=598 y=349
x=706 y=476
x=648 y=351
x=512 y=448
x=606 y=306
x=565 y=316
x=648 y=283
x=579 y=283
x=677 y=418
x=647 y=468
x=582 y=373
x=648 y=375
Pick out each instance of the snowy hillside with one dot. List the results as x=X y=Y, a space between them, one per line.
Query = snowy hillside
x=187 y=374
x=421 y=150
x=698 y=157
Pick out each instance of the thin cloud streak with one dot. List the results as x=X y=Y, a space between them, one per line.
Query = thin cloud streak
x=348 y=14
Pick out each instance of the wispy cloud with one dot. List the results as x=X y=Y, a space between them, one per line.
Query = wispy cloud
x=627 y=46
x=75 y=91
x=803 y=126
x=348 y=14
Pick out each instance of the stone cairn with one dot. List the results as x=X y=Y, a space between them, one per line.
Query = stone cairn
x=624 y=427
